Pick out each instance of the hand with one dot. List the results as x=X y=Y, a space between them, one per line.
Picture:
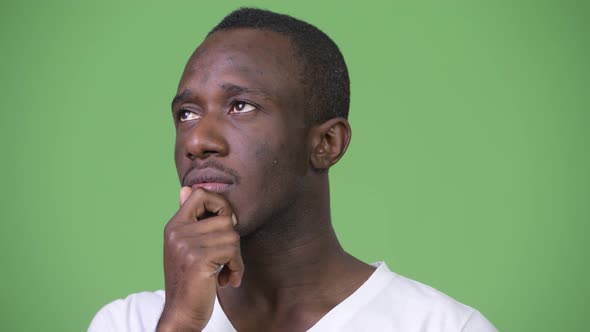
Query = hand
x=197 y=241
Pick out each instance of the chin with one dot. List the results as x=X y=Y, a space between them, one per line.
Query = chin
x=246 y=229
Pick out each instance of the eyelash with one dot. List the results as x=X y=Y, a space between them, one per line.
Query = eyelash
x=181 y=113
x=233 y=105
x=246 y=103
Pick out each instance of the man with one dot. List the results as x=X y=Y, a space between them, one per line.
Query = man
x=260 y=116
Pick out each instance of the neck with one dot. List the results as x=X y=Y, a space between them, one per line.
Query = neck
x=289 y=264
x=294 y=262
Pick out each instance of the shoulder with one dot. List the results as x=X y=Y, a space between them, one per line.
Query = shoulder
x=136 y=312
x=411 y=302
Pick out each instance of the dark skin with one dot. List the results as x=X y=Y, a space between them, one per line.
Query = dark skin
x=255 y=193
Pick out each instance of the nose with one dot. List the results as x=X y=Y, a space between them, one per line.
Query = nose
x=206 y=138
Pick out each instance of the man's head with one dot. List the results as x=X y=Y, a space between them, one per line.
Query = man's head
x=324 y=73
x=260 y=114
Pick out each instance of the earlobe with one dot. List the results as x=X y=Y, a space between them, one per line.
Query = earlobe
x=329 y=142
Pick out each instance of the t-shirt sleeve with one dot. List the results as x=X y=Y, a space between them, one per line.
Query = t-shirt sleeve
x=478 y=323
x=137 y=312
x=106 y=319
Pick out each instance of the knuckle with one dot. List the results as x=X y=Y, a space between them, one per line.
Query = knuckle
x=167 y=229
x=171 y=235
x=234 y=237
x=192 y=257
x=231 y=251
x=227 y=223
x=180 y=246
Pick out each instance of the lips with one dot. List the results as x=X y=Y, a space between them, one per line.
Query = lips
x=212 y=186
x=209 y=179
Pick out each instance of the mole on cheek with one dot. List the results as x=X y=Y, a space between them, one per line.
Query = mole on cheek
x=264 y=153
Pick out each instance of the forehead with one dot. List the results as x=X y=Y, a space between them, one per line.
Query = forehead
x=258 y=59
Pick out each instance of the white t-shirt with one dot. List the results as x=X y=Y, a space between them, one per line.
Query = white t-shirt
x=385 y=302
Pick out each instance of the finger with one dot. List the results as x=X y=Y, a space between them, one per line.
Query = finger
x=227 y=255
x=211 y=239
x=200 y=202
x=185 y=192
x=204 y=226
x=232 y=271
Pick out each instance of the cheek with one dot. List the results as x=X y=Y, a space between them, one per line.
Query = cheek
x=271 y=167
x=266 y=154
x=182 y=162
x=278 y=169
x=177 y=153
x=261 y=162
x=268 y=185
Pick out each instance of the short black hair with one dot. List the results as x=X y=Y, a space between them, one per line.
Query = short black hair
x=325 y=76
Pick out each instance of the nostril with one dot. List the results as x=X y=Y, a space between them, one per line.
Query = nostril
x=202 y=154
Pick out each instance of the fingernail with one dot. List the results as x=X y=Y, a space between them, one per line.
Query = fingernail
x=233 y=219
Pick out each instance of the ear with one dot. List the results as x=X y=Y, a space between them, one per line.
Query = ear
x=329 y=141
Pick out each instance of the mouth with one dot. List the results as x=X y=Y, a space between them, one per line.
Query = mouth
x=210 y=180
x=217 y=187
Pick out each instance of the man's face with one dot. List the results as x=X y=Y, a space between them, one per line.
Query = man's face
x=240 y=125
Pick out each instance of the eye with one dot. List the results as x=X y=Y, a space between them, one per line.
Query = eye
x=186 y=115
x=242 y=107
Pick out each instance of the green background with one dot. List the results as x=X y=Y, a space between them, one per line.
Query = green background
x=468 y=169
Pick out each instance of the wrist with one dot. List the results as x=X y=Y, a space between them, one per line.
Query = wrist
x=173 y=322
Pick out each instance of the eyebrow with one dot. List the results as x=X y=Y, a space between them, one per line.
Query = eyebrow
x=229 y=88
x=180 y=97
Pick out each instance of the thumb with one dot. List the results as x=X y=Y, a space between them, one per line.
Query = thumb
x=185 y=192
